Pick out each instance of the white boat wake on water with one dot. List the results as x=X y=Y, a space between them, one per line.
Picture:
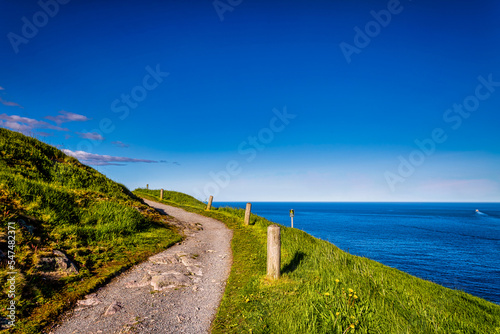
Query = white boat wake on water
x=480 y=213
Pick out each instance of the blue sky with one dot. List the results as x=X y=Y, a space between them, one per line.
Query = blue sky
x=264 y=100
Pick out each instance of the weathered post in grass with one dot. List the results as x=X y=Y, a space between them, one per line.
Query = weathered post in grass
x=247 y=213
x=273 y=251
x=147 y=186
x=209 y=205
x=161 y=194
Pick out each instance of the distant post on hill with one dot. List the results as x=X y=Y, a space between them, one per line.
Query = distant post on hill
x=273 y=251
x=247 y=213
x=161 y=194
x=209 y=205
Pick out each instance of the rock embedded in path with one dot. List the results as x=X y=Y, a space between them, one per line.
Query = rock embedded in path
x=88 y=301
x=189 y=262
x=164 y=259
x=113 y=308
x=195 y=271
x=169 y=279
x=144 y=281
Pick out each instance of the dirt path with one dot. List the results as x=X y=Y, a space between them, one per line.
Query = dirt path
x=176 y=291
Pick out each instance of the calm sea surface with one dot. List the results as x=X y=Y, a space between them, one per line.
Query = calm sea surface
x=448 y=243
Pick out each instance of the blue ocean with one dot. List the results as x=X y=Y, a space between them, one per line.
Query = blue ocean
x=456 y=245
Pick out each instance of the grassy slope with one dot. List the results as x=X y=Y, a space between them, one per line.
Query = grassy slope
x=58 y=203
x=325 y=290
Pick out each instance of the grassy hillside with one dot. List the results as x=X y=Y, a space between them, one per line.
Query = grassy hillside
x=326 y=290
x=56 y=203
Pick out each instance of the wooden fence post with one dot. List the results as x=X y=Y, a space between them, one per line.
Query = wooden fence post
x=209 y=205
x=273 y=251
x=247 y=213
x=161 y=194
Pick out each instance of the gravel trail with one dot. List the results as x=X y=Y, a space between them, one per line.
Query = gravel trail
x=175 y=291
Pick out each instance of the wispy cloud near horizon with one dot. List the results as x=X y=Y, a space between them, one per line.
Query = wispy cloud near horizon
x=66 y=116
x=103 y=160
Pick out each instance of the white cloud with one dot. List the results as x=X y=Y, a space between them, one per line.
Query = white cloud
x=90 y=135
x=25 y=124
x=15 y=126
x=67 y=116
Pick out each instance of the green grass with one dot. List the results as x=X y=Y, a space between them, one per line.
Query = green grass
x=326 y=290
x=58 y=203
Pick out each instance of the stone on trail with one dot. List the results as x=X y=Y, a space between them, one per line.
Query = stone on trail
x=195 y=271
x=164 y=259
x=144 y=281
x=188 y=262
x=89 y=301
x=113 y=308
x=168 y=280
